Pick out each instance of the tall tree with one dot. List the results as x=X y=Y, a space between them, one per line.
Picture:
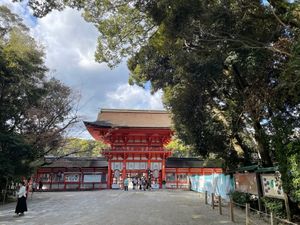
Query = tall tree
x=34 y=110
x=229 y=71
x=208 y=54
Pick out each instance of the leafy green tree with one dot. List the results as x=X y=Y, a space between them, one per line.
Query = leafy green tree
x=34 y=110
x=229 y=71
x=206 y=58
x=80 y=147
x=179 y=149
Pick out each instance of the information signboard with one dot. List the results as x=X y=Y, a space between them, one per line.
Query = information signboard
x=271 y=186
x=246 y=182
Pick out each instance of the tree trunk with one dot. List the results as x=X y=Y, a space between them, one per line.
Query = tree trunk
x=262 y=144
x=5 y=191
x=246 y=150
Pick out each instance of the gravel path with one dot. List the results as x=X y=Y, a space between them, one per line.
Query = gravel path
x=115 y=207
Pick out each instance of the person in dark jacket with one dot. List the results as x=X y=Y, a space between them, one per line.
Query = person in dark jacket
x=40 y=185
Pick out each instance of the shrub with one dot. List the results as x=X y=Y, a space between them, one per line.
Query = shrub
x=275 y=205
x=240 y=197
x=243 y=198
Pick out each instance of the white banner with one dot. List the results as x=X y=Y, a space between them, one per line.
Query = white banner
x=95 y=178
x=116 y=165
x=135 y=165
x=155 y=166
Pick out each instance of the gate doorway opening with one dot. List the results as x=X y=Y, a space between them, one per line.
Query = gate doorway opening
x=155 y=177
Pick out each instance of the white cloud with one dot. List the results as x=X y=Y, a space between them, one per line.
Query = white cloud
x=133 y=97
x=70 y=43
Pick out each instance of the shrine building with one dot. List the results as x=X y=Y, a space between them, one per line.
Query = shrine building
x=137 y=140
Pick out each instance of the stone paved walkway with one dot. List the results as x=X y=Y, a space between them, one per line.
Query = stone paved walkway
x=115 y=207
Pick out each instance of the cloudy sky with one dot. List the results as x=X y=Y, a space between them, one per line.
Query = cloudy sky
x=70 y=44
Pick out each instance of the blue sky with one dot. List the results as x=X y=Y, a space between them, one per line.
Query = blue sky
x=69 y=44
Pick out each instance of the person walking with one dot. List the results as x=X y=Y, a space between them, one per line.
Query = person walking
x=144 y=183
x=134 y=182
x=126 y=183
x=33 y=187
x=140 y=183
x=40 y=185
x=28 y=187
x=21 y=203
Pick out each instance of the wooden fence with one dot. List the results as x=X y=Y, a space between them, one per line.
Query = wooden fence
x=239 y=212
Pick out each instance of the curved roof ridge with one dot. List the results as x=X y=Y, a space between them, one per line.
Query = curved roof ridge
x=132 y=118
x=134 y=110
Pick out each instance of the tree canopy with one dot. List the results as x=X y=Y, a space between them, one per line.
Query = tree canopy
x=80 y=147
x=228 y=70
x=34 y=110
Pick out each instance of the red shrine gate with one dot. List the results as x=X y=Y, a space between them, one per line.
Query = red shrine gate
x=136 y=139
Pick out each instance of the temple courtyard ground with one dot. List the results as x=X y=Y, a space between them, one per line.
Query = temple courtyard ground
x=116 y=207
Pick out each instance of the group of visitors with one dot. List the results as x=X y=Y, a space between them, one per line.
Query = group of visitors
x=138 y=183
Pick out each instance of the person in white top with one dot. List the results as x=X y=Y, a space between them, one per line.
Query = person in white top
x=21 y=204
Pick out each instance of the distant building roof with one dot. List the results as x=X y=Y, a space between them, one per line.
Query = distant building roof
x=173 y=162
x=79 y=162
x=132 y=118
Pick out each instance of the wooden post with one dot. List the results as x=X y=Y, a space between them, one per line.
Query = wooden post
x=163 y=169
x=287 y=207
x=271 y=218
x=109 y=174
x=51 y=177
x=259 y=191
x=247 y=214
x=220 y=205
x=80 y=181
x=213 y=200
x=231 y=209
x=124 y=173
x=205 y=198
x=5 y=192
x=176 y=177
